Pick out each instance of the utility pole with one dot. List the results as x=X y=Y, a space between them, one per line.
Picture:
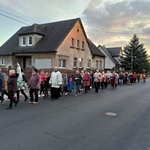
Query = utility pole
x=131 y=60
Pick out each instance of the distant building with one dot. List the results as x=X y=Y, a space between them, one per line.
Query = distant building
x=112 y=57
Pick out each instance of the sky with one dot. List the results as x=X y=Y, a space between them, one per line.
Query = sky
x=106 y=22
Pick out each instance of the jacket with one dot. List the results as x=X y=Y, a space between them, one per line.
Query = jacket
x=1 y=81
x=86 y=79
x=12 y=83
x=35 y=81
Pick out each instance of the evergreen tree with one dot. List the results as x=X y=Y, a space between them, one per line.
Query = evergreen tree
x=134 y=56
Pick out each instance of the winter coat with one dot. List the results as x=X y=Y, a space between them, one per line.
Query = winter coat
x=86 y=79
x=42 y=77
x=46 y=82
x=35 y=81
x=12 y=83
x=1 y=81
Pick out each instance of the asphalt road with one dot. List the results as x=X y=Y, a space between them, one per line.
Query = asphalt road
x=80 y=123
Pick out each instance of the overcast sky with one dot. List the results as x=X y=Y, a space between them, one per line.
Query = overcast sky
x=106 y=22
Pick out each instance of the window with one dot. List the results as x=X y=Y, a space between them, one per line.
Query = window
x=2 y=62
x=24 y=41
x=89 y=64
x=100 y=65
x=62 y=63
x=78 y=44
x=80 y=62
x=75 y=62
x=96 y=63
x=72 y=42
x=30 y=40
x=82 y=45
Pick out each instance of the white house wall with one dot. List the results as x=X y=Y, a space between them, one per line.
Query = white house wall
x=109 y=64
x=7 y=61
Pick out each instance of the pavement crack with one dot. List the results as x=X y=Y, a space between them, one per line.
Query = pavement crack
x=141 y=126
x=47 y=133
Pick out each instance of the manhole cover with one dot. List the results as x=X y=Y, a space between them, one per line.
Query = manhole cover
x=111 y=114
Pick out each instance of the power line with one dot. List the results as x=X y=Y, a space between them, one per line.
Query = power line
x=15 y=15
x=13 y=19
x=20 y=14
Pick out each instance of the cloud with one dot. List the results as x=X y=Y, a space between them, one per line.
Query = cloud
x=120 y=19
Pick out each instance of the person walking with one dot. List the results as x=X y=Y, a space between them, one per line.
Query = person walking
x=86 y=81
x=144 y=77
x=5 y=90
x=34 y=86
x=113 y=79
x=21 y=84
x=42 y=78
x=71 y=83
x=138 y=77
x=1 y=86
x=97 y=76
x=78 y=79
x=55 y=82
x=12 y=88
x=65 y=83
x=46 y=84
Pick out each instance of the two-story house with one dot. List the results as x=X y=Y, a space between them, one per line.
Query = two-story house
x=62 y=43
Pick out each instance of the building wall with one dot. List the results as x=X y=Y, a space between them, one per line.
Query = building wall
x=68 y=52
x=7 y=61
x=109 y=64
x=100 y=59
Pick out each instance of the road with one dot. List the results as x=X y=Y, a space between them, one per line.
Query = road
x=80 y=123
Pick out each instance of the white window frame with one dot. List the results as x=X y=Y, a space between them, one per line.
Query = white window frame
x=96 y=63
x=75 y=62
x=100 y=64
x=30 y=38
x=62 y=63
x=24 y=42
x=80 y=62
x=89 y=63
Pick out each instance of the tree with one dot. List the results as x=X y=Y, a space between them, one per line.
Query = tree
x=134 y=57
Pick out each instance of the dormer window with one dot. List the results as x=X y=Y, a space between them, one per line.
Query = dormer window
x=24 y=41
x=30 y=40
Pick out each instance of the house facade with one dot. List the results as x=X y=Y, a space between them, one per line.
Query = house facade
x=98 y=58
x=63 y=44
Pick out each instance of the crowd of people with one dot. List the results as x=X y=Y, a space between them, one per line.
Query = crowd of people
x=55 y=84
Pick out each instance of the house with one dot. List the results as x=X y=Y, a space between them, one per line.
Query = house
x=111 y=59
x=98 y=58
x=62 y=43
x=115 y=52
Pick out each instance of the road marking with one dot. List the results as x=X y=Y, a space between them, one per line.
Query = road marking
x=111 y=114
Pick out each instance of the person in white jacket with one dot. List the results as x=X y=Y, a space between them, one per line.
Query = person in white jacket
x=55 y=82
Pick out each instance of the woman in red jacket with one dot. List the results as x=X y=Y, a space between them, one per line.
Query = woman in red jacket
x=86 y=81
